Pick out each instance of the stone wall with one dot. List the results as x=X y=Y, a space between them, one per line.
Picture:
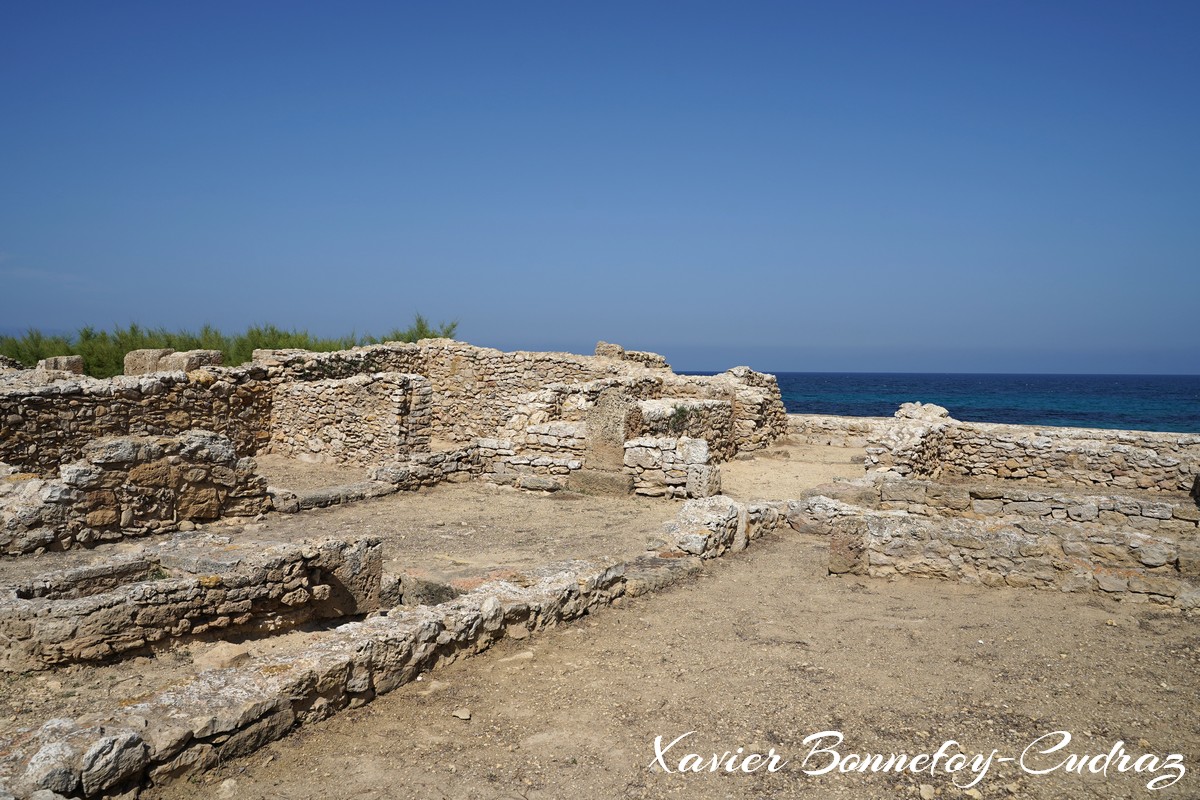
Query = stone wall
x=1060 y=555
x=711 y=420
x=145 y=362
x=128 y=486
x=836 y=431
x=44 y=426
x=184 y=590
x=1168 y=462
x=363 y=419
x=925 y=442
x=984 y=501
x=713 y=526
x=667 y=466
x=475 y=391
x=225 y=713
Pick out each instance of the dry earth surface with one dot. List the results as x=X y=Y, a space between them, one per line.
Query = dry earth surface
x=760 y=651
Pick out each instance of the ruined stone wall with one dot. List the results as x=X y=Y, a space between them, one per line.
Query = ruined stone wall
x=667 y=466
x=710 y=420
x=836 y=431
x=1010 y=500
x=364 y=419
x=476 y=388
x=104 y=611
x=45 y=425
x=47 y=419
x=759 y=417
x=923 y=441
x=1168 y=462
x=128 y=486
x=1047 y=554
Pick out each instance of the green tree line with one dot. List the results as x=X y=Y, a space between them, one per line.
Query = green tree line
x=104 y=351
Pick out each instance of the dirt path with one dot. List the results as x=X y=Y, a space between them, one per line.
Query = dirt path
x=760 y=652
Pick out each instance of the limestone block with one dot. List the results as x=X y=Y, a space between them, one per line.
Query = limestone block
x=143 y=362
x=190 y=360
x=607 y=350
x=62 y=364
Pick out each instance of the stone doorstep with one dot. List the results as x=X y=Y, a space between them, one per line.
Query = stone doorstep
x=229 y=712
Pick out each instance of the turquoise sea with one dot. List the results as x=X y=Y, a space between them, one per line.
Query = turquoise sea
x=1139 y=402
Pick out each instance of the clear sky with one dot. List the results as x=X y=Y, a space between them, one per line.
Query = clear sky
x=835 y=186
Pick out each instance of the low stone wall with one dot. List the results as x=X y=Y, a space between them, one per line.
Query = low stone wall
x=1047 y=554
x=224 y=713
x=1008 y=500
x=555 y=438
x=363 y=419
x=712 y=526
x=504 y=462
x=925 y=442
x=710 y=420
x=44 y=426
x=184 y=589
x=836 y=431
x=143 y=362
x=429 y=469
x=1168 y=462
x=129 y=486
x=668 y=466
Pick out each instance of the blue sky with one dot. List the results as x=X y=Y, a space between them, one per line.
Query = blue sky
x=842 y=186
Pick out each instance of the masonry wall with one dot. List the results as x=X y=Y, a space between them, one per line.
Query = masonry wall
x=47 y=419
x=43 y=426
x=1008 y=500
x=1067 y=556
x=129 y=486
x=710 y=420
x=83 y=616
x=923 y=441
x=1168 y=462
x=363 y=419
x=668 y=466
x=836 y=431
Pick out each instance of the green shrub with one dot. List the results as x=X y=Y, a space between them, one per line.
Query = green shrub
x=104 y=351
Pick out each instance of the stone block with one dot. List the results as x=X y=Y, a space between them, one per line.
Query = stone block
x=144 y=362
x=703 y=480
x=601 y=482
x=190 y=360
x=608 y=350
x=62 y=364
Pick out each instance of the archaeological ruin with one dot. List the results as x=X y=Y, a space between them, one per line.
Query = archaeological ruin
x=181 y=521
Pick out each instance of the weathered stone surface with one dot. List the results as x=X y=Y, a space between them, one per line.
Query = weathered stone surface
x=601 y=482
x=113 y=761
x=72 y=364
x=143 y=362
x=361 y=419
x=222 y=656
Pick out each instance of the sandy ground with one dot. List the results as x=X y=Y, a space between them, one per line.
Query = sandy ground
x=785 y=470
x=760 y=652
x=462 y=534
